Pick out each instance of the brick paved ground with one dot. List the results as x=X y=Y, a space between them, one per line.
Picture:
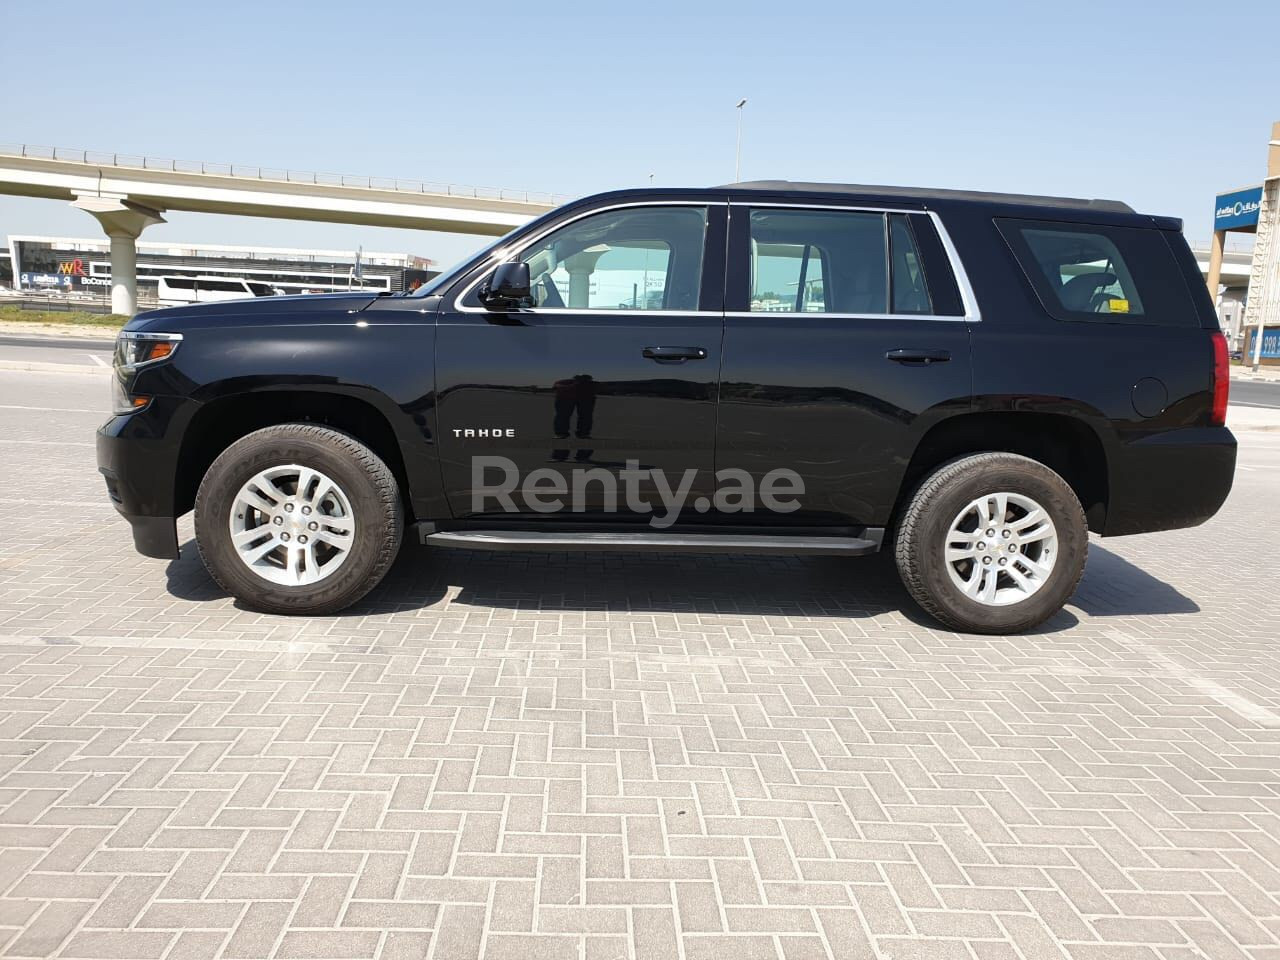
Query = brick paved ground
x=608 y=757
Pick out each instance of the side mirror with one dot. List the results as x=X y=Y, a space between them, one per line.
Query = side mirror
x=508 y=287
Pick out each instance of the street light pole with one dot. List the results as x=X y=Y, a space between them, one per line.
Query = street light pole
x=737 y=157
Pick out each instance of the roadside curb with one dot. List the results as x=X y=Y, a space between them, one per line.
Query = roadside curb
x=57 y=332
x=36 y=366
x=1268 y=374
x=1252 y=419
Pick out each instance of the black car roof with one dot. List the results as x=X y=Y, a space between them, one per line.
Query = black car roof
x=925 y=193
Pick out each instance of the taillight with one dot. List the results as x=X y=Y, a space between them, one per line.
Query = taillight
x=1221 y=379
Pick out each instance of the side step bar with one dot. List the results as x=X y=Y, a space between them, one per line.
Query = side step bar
x=656 y=541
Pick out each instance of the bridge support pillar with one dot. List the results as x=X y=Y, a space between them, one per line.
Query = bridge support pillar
x=123 y=222
x=580 y=266
x=1214 y=277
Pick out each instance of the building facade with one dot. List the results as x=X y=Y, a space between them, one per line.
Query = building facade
x=1253 y=314
x=81 y=268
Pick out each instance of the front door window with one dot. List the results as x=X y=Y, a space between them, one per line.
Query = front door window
x=641 y=258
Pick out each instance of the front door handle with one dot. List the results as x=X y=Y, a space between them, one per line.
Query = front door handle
x=918 y=356
x=674 y=354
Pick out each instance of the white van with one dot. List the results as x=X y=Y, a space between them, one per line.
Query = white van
x=176 y=290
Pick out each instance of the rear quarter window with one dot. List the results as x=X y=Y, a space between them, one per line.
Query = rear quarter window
x=1101 y=274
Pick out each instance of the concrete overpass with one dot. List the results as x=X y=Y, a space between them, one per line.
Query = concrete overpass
x=1236 y=266
x=126 y=194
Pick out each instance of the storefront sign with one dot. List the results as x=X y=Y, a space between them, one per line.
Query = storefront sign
x=1237 y=210
x=1271 y=343
x=44 y=281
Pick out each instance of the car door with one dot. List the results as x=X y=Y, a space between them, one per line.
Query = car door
x=607 y=374
x=846 y=338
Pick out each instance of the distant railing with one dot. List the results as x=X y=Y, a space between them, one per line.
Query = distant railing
x=1238 y=248
x=253 y=172
x=55 y=303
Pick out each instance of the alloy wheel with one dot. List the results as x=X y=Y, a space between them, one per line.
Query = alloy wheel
x=1001 y=548
x=292 y=525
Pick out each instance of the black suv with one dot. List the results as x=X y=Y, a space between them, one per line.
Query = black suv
x=973 y=381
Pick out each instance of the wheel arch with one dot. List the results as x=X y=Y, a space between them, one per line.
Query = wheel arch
x=1066 y=444
x=219 y=423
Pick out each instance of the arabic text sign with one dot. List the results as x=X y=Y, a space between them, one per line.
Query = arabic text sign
x=1237 y=210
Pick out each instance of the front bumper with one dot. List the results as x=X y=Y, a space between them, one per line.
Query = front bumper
x=1168 y=480
x=137 y=456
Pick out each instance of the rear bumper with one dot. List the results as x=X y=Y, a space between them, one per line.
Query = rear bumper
x=137 y=457
x=1179 y=478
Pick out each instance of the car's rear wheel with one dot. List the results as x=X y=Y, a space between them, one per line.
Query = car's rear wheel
x=298 y=519
x=992 y=543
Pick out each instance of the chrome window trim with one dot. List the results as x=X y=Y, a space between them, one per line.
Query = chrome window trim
x=604 y=312
x=503 y=254
x=803 y=205
x=742 y=314
x=967 y=298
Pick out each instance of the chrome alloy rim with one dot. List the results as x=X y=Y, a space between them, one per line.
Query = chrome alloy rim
x=292 y=525
x=1001 y=549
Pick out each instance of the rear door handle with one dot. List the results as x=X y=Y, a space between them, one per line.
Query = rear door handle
x=918 y=356
x=674 y=354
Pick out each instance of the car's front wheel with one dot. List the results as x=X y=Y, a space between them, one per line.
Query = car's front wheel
x=298 y=519
x=992 y=543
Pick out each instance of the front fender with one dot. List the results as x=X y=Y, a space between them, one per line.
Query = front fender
x=258 y=370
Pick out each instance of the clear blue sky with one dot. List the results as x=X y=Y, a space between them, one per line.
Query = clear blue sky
x=1158 y=104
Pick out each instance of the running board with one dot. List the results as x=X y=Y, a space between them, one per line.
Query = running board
x=657 y=541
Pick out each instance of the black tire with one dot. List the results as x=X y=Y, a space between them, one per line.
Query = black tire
x=368 y=484
x=920 y=541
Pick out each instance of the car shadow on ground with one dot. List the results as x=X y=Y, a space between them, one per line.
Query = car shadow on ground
x=1113 y=587
x=689 y=583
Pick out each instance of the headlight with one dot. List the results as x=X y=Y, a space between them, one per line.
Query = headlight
x=134 y=350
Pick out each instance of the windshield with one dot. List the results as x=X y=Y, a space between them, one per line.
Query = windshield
x=435 y=284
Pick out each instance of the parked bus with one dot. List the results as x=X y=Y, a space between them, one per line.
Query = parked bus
x=176 y=290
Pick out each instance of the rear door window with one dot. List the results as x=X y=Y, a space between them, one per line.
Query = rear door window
x=856 y=263
x=818 y=261
x=1101 y=273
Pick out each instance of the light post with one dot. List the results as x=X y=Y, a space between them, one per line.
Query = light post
x=737 y=157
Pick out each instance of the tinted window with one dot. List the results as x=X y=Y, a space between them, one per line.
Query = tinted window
x=818 y=261
x=1085 y=271
x=221 y=286
x=641 y=258
x=910 y=293
x=1101 y=273
x=944 y=292
x=787 y=277
x=180 y=283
